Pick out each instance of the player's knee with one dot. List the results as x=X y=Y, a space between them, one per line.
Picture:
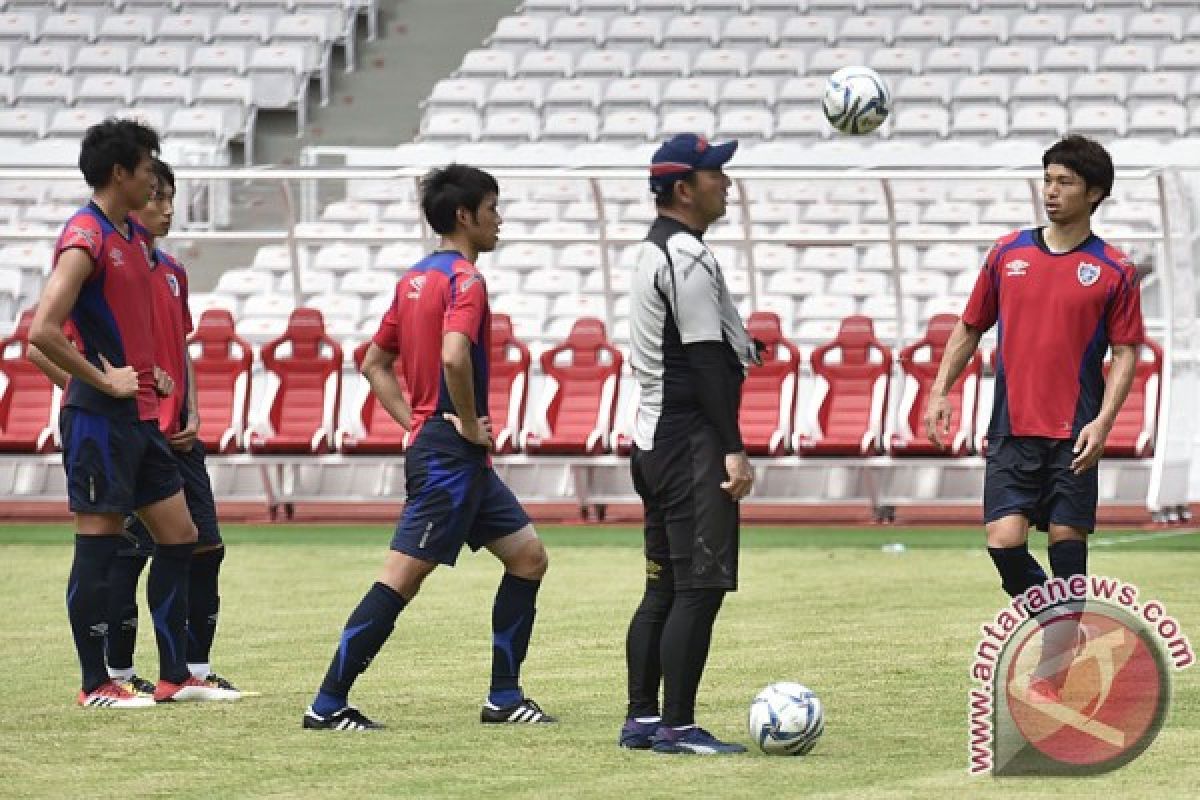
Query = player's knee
x=533 y=561
x=405 y=574
x=656 y=602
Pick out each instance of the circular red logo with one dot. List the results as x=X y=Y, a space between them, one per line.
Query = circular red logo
x=1086 y=688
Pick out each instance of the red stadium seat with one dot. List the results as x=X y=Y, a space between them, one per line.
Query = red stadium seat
x=26 y=398
x=374 y=430
x=769 y=393
x=1133 y=431
x=302 y=415
x=508 y=384
x=849 y=416
x=917 y=377
x=581 y=396
x=221 y=362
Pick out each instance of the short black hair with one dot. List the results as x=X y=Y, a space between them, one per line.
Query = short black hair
x=111 y=142
x=444 y=191
x=664 y=195
x=164 y=173
x=1087 y=158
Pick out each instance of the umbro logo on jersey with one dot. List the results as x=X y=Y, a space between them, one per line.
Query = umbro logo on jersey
x=1087 y=273
x=1016 y=268
x=415 y=286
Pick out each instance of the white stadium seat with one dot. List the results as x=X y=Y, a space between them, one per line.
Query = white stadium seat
x=456 y=93
x=780 y=62
x=1099 y=119
x=1039 y=28
x=1100 y=86
x=1041 y=86
x=720 y=63
x=578 y=94
x=515 y=94
x=603 y=64
x=866 y=30
x=1039 y=120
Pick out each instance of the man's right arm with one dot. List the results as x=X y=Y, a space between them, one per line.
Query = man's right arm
x=378 y=368
x=964 y=341
x=56 y=374
x=46 y=332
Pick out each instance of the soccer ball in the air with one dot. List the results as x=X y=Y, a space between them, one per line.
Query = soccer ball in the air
x=857 y=100
x=786 y=719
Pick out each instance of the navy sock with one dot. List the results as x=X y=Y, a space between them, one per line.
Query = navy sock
x=368 y=628
x=512 y=625
x=167 y=592
x=1018 y=569
x=204 y=604
x=1068 y=558
x=123 y=578
x=87 y=603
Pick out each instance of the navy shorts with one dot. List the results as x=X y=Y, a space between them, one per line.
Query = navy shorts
x=691 y=523
x=454 y=498
x=1032 y=476
x=197 y=491
x=115 y=466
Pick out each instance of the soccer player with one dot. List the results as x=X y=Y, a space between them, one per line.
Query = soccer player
x=1062 y=297
x=690 y=351
x=440 y=326
x=116 y=459
x=179 y=421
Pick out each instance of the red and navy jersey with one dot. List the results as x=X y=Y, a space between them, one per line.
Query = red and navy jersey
x=113 y=315
x=441 y=293
x=174 y=322
x=1057 y=313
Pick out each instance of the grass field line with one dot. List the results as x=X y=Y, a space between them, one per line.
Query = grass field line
x=1109 y=541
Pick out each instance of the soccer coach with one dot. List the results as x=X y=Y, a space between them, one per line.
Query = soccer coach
x=690 y=351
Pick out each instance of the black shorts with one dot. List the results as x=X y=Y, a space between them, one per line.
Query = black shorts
x=454 y=498
x=115 y=466
x=691 y=522
x=1032 y=476
x=197 y=491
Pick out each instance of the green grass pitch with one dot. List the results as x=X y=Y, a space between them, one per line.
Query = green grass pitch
x=885 y=639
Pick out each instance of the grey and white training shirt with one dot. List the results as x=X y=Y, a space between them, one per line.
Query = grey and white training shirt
x=689 y=346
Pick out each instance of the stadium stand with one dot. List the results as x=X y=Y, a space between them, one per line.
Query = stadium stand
x=28 y=400
x=221 y=363
x=916 y=377
x=1133 y=430
x=769 y=393
x=846 y=413
x=579 y=400
x=304 y=390
x=508 y=386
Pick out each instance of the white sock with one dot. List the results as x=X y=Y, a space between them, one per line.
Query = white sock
x=647 y=720
x=120 y=674
x=200 y=671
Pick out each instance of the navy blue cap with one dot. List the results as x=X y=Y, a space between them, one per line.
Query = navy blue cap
x=684 y=153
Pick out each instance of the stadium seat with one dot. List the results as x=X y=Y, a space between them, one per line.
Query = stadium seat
x=370 y=428
x=845 y=417
x=1133 y=431
x=304 y=389
x=508 y=384
x=27 y=397
x=769 y=393
x=221 y=362
x=919 y=363
x=580 y=397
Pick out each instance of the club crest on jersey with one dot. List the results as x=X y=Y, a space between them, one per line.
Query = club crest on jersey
x=1087 y=273
x=1016 y=268
x=173 y=282
x=118 y=257
x=415 y=286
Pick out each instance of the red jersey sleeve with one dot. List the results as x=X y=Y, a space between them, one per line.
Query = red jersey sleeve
x=388 y=335
x=82 y=231
x=1124 y=314
x=983 y=306
x=467 y=307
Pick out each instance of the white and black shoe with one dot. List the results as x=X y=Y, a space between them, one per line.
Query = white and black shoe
x=525 y=712
x=348 y=718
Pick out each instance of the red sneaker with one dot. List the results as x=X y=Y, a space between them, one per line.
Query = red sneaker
x=192 y=690
x=113 y=695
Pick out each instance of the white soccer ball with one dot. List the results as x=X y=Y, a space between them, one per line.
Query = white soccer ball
x=786 y=719
x=857 y=100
